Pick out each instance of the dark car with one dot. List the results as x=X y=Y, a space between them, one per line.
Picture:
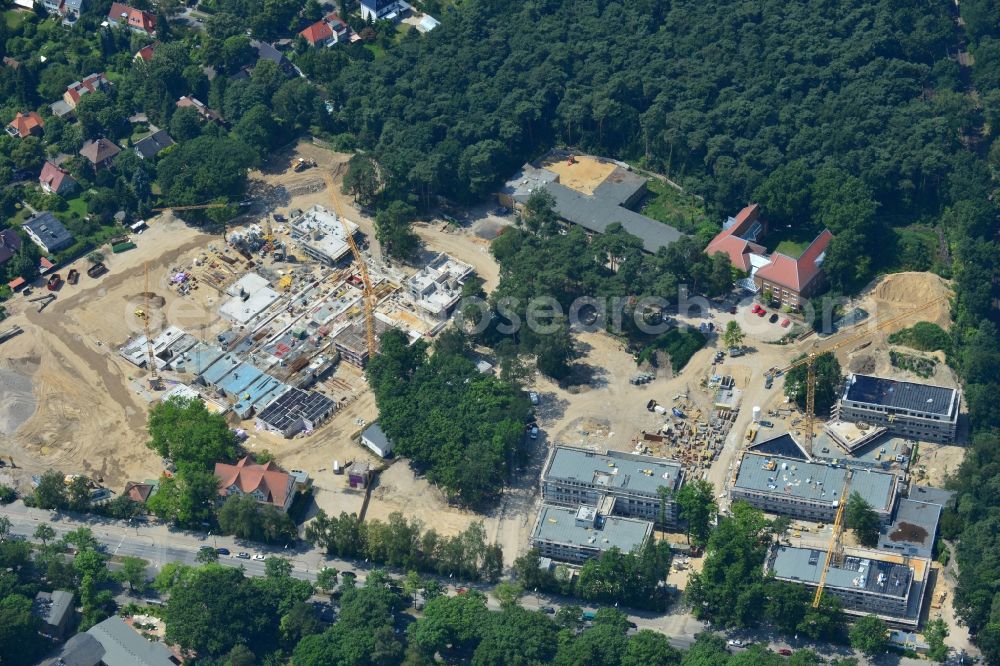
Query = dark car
x=773 y=319
x=222 y=551
x=549 y=610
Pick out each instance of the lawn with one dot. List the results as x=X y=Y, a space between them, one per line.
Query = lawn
x=78 y=206
x=670 y=206
x=376 y=50
x=13 y=19
x=792 y=248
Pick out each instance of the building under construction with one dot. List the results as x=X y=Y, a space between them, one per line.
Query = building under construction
x=888 y=585
x=352 y=341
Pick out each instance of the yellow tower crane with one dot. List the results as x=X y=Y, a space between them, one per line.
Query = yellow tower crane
x=835 y=543
x=154 y=376
x=809 y=360
x=368 y=294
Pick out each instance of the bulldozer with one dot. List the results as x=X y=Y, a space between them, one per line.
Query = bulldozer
x=302 y=164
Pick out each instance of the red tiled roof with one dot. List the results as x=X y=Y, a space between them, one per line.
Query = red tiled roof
x=249 y=477
x=17 y=283
x=26 y=123
x=138 y=492
x=146 y=53
x=798 y=273
x=92 y=83
x=135 y=18
x=53 y=176
x=317 y=33
x=728 y=241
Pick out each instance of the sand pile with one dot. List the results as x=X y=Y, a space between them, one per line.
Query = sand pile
x=911 y=290
x=17 y=401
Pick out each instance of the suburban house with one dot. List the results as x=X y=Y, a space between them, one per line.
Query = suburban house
x=56 y=612
x=786 y=280
x=265 y=483
x=47 y=232
x=112 y=643
x=382 y=10
x=145 y=53
x=150 y=146
x=267 y=51
x=326 y=32
x=68 y=9
x=25 y=125
x=10 y=244
x=76 y=90
x=100 y=153
x=206 y=113
x=56 y=180
x=136 y=19
x=139 y=492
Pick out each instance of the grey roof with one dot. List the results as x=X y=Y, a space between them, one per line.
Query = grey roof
x=856 y=573
x=558 y=525
x=899 y=394
x=376 y=436
x=295 y=405
x=937 y=496
x=50 y=230
x=596 y=212
x=153 y=144
x=123 y=646
x=814 y=481
x=80 y=650
x=53 y=606
x=614 y=470
x=783 y=445
x=913 y=530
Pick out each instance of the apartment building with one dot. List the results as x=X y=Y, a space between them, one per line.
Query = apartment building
x=617 y=483
x=577 y=535
x=917 y=411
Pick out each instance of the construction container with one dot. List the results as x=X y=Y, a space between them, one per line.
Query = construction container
x=122 y=247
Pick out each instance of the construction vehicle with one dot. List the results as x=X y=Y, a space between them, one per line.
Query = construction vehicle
x=10 y=333
x=97 y=270
x=368 y=294
x=809 y=360
x=835 y=551
x=302 y=164
x=55 y=281
x=43 y=301
x=154 y=376
x=73 y=277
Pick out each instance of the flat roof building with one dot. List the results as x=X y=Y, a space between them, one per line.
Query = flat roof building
x=296 y=410
x=621 y=484
x=320 y=234
x=243 y=307
x=577 y=535
x=809 y=490
x=867 y=581
x=436 y=288
x=919 y=411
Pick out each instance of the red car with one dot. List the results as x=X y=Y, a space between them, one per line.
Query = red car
x=761 y=312
x=785 y=323
x=785 y=652
x=756 y=308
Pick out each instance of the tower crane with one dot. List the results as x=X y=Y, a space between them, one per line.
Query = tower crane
x=368 y=294
x=203 y=206
x=154 y=376
x=809 y=360
x=835 y=539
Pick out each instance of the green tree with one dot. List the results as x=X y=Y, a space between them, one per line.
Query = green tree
x=650 y=648
x=20 y=642
x=5 y=525
x=44 y=533
x=394 y=230
x=870 y=635
x=934 y=633
x=187 y=433
x=326 y=579
x=78 y=494
x=860 y=517
x=508 y=594
x=733 y=336
x=828 y=379
x=51 y=491
x=206 y=555
x=362 y=179
x=696 y=502
x=133 y=572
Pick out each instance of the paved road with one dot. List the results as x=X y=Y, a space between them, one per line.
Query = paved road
x=159 y=545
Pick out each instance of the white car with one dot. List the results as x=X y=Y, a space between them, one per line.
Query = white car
x=734 y=642
x=258 y=556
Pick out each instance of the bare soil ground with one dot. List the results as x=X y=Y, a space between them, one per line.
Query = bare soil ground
x=583 y=174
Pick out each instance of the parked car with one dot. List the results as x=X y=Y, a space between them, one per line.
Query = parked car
x=734 y=642
x=785 y=323
x=258 y=556
x=533 y=397
x=222 y=551
x=533 y=433
x=548 y=610
x=785 y=652
x=761 y=312
x=773 y=318
x=244 y=556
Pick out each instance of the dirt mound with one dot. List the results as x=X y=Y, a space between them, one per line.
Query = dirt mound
x=17 y=401
x=908 y=532
x=911 y=290
x=154 y=300
x=864 y=365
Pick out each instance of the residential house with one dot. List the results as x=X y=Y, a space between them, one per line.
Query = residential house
x=10 y=244
x=193 y=102
x=326 y=32
x=100 y=153
x=139 y=492
x=378 y=10
x=265 y=483
x=76 y=90
x=266 y=51
x=47 y=232
x=71 y=10
x=784 y=280
x=56 y=180
x=145 y=53
x=150 y=146
x=112 y=643
x=56 y=612
x=375 y=439
x=10 y=62
x=25 y=125
x=136 y=19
